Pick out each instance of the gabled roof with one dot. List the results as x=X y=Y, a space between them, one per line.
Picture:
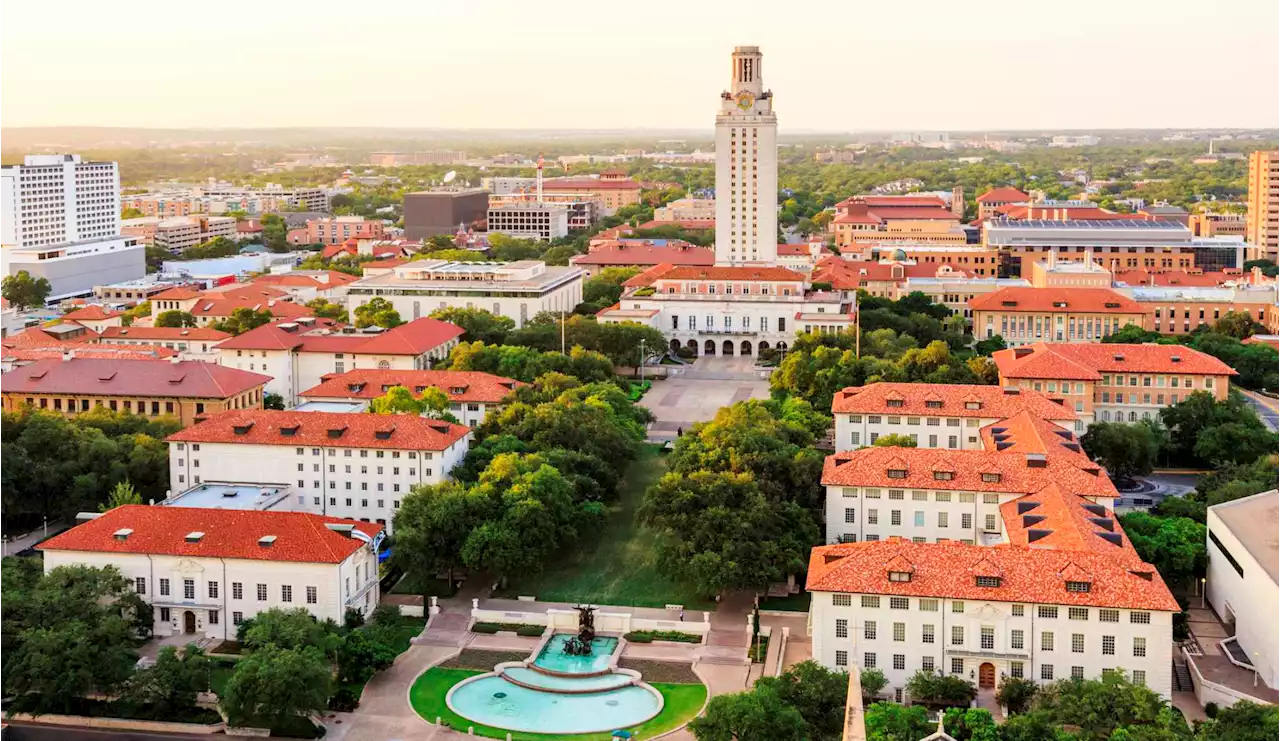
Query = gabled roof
x=946 y=400
x=325 y=429
x=1075 y=300
x=615 y=252
x=417 y=337
x=1053 y=518
x=944 y=570
x=299 y=537
x=461 y=386
x=332 y=279
x=744 y=272
x=165 y=334
x=1088 y=361
x=137 y=378
x=92 y=312
x=87 y=350
x=1003 y=194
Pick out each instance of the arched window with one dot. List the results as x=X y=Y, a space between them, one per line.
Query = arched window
x=384 y=365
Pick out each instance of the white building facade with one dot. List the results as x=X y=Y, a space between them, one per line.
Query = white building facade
x=746 y=166
x=1242 y=579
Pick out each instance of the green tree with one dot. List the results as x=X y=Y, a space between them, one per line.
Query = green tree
x=1016 y=693
x=433 y=403
x=378 y=312
x=272 y=401
x=242 y=320
x=1237 y=324
x=24 y=292
x=361 y=656
x=275 y=233
x=817 y=693
x=1101 y=706
x=749 y=716
x=988 y=346
x=1192 y=438
x=605 y=289
x=888 y=722
x=1243 y=721
x=175 y=318
x=432 y=526
x=291 y=629
x=477 y=324
x=1127 y=450
x=940 y=690
x=170 y=685
x=1235 y=442
x=1174 y=545
x=129 y=212
x=1032 y=726
x=510 y=249
x=1268 y=267
x=970 y=724
x=894 y=441
x=323 y=308
x=272 y=685
x=873 y=682
x=121 y=494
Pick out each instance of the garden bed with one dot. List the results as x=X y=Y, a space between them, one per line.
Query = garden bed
x=757 y=651
x=669 y=672
x=231 y=648
x=673 y=636
x=474 y=658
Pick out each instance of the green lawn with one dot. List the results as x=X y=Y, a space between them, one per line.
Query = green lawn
x=681 y=702
x=619 y=565
x=795 y=602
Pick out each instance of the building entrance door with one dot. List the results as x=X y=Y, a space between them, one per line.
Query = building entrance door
x=188 y=622
x=987 y=675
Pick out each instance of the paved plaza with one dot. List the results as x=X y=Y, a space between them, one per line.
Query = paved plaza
x=699 y=390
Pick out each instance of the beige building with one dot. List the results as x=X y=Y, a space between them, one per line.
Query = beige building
x=180 y=232
x=1262 y=222
x=1023 y=316
x=686 y=208
x=1216 y=225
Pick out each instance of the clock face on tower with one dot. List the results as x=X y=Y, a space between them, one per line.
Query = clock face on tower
x=746 y=100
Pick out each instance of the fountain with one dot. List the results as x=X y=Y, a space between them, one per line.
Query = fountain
x=580 y=645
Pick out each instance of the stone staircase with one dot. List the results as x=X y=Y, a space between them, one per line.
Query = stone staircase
x=1182 y=677
x=446 y=629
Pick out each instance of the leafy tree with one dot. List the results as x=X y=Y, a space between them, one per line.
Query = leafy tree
x=378 y=312
x=24 y=292
x=175 y=318
x=894 y=441
x=478 y=325
x=1237 y=324
x=749 y=716
x=1235 y=442
x=323 y=308
x=526 y=364
x=1192 y=437
x=1269 y=268
x=275 y=233
x=888 y=722
x=291 y=629
x=970 y=724
x=121 y=494
x=1243 y=721
x=129 y=315
x=940 y=690
x=559 y=255
x=873 y=682
x=1126 y=450
x=604 y=290
x=272 y=685
x=990 y=345
x=242 y=320
x=1101 y=706
x=817 y=692
x=1031 y=726
x=1256 y=363
x=171 y=684
x=1016 y=693
x=433 y=524
x=1174 y=545
x=510 y=249
x=216 y=247
x=129 y=212
x=272 y=401
x=361 y=656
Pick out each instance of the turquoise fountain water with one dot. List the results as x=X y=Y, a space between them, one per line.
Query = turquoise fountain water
x=558 y=693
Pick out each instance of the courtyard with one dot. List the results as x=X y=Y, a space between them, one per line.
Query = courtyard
x=699 y=390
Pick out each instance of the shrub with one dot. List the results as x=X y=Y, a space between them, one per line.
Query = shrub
x=487 y=628
x=648 y=636
x=530 y=630
x=1211 y=709
x=939 y=690
x=385 y=615
x=1016 y=693
x=639 y=637
x=346 y=699
x=491 y=628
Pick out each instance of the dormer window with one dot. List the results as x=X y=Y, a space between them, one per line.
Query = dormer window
x=1079 y=586
x=897 y=473
x=991 y=478
x=243 y=429
x=973 y=405
x=894 y=402
x=987 y=581
x=899 y=576
x=943 y=475
x=933 y=404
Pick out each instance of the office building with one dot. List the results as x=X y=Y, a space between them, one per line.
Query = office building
x=686 y=208
x=338 y=229
x=180 y=232
x=472 y=395
x=61 y=222
x=519 y=290
x=530 y=220
x=641 y=253
x=1115 y=244
x=612 y=189
x=431 y=213
x=1023 y=316
x=746 y=166
x=992 y=201
x=1262 y=219
x=205 y=571
x=877 y=220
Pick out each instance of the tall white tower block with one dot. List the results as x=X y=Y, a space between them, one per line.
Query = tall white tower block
x=746 y=166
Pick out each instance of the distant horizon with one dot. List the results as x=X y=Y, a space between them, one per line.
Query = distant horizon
x=708 y=130
x=506 y=65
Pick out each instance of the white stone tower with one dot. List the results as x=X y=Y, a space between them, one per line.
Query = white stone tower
x=746 y=167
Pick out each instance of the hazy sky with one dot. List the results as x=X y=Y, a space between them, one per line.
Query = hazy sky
x=840 y=65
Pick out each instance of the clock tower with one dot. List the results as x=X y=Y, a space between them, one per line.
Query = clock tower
x=746 y=166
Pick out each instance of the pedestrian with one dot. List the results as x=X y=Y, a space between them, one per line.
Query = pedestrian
x=679 y=432
x=682 y=614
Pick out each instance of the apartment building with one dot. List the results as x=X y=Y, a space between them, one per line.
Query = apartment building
x=181 y=232
x=519 y=290
x=183 y=389
x=686 y=208
x=297 y=355
x=194 y=343
x=1113 y=382
x=738 y=310
x=205 y=571
x=62 y=223
x=351 y=465
x=338 y=229
x=1026 y=315
x=1262 y=219
x=472 y=395
x=935 y=415
x=530 y=220
x=1216 y=225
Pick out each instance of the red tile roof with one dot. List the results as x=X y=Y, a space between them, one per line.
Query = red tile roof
x=1264 y=339
x=648 y=276
x=177 y=293
x=858 y=213
x=1052 y=518
x=461 y=386
x=394 y=262
x=1028 y=575
x=90 y=313
x=1003 y=194
x=847 y=275
x=228 y=533
x=37 y=337
x=1141 y=277
x=631 y=253
x=1057 y=300
x=188 y=379
x=1089 y=361
x=919 y=399
x=327 y=429
x=910 y=200
x=164 y=334
x=689 y=224
x=795 y=250
x=731 y=273
x=87 y=350
x=333 y=278
x=417 y=337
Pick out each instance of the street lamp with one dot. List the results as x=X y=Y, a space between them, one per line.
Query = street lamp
x=641 y=366
x=1202 y=591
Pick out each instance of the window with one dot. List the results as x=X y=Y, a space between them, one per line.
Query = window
x=842 y=600
x=869 y=660
x=869 y=630
x=957 y=607
x=1139 y=646
x=1077 y=613
x=311 y=595
x=1019 y=610
x=1046 y=641
x=942 y=519
x=842 y=628
x=188 y=588
x=957 y=635
x=1077 y=643
x=1108 y=645
x=926 y=634
x=957 y=666
x=1077 y=672
x=1139 y=677
x=262 y=592
x=1108 y=616
x=899 y=603
x=899 y=661
x=1047 y=612
x=213 y=617
x=213 y=590
x=873 y=517
x=1046 y=671
x=1016 y=669
x=164 y=614
x=237 y=590
x=237 y=618
x=926 y=663
x=900 y=632
x=140 y=585
x=895 y=517
x=1140 y=618
x=1016 y=639
x=842 y=658
x=988 y=581
x=1078 y=586
x=988 y=638
x=870 y=602
x=850 y=515
x=966 y=521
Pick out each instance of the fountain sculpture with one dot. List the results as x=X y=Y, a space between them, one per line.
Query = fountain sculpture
x=580 y=645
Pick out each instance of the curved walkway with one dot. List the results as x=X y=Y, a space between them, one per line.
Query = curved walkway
x=384 y=711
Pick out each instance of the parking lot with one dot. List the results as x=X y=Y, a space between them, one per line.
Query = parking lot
x=699 y=391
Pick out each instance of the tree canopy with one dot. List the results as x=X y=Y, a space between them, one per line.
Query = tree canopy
x=23 y=292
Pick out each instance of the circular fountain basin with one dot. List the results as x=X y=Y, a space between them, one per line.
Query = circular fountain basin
x=553 y=657
x=537 y=680
x=493 y=701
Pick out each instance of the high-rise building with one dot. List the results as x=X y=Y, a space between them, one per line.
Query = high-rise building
x=61 y=221
x=746 y=166
x=1262 y=222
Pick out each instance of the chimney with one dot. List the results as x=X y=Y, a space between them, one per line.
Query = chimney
x=68 y=354
x=175 y=360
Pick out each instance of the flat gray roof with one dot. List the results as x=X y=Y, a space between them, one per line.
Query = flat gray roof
x=231 y=496
x=1253 y=521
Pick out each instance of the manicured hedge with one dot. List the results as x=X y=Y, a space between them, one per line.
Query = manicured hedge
x=648 y=636
x=491 y=628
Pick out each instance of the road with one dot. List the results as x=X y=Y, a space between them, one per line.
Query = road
x=39 y=732
x=1268 y=409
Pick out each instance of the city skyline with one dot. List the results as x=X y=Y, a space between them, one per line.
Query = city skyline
x=938 y=67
